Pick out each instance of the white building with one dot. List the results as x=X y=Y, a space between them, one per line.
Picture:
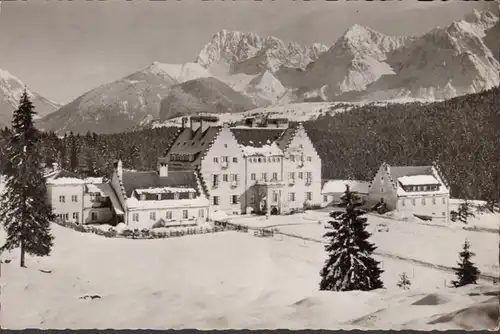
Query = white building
x=273 y=169
x=333 y=190
x=78 y=200
x=419 y=190
x=172 y=197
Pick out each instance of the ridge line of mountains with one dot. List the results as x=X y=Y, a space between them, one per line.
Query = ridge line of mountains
x=237 y=72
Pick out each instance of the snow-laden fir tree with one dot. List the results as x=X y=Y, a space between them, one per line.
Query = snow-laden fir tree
x=23 y=211
x=404 y=282
x=465 y=211
x=350 y=265
x=467 y=272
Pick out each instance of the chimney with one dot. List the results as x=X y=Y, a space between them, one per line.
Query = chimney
x=119 y=168
x=249 y=121
x=195 y=123
x=163 y=167
x=203 y=122
x=184 y=122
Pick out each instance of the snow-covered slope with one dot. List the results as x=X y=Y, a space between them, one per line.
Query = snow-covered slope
x=444 y=63
x=202 y=95
x=265 y=87
x=11 y=89
x=251 y=54
x=195 y=282
x=116 y=106
x=247 y=62
x=362 y=65
x=357 y=59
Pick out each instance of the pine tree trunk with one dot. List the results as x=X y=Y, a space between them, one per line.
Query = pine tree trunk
x=22 y=255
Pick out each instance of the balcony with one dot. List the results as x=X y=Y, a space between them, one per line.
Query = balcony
x=224 y=165
x=308 y=182
x=234 y=184
x=271 y=182
x=100 y=203
x=291 y=182
x=215 y=185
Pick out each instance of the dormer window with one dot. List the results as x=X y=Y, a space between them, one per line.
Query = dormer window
x=159 y=197
x=143 y=197
x=190 y=195
x=176 y=195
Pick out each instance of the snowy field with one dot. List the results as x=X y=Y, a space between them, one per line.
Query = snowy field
x=412 y=240
x=218 y=281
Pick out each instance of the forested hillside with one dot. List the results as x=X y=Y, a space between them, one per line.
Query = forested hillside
x=461 y=134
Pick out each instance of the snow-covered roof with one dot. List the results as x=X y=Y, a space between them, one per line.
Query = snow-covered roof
x=416 y=180
x=65 y=180
x=134 y=203
x=339 y=186
x=94 y=188
x=105 y=190
x=164 y=190
x=269 y=149
x=94 y=180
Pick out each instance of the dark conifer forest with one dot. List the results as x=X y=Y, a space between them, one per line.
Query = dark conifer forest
x=461 y=134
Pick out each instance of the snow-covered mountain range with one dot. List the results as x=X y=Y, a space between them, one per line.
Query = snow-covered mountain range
x=362 y=65
x=11 y=89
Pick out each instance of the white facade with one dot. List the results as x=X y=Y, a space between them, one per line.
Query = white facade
x=222 y=169
x=273 y=169
x=145 y=206
x=66 y=200
x=419 y=190
x=333 y=190
x=302 y=172
x=73 y=200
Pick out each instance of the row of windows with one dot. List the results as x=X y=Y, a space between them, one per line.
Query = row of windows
x=293 y=158
x=225 y=178
x=168 y=215
x=233 y=199
x=292 y=197
x=224 y=159
x=264 y=159
x=291 y=175
x=160 y=197
x=421 y=188
x=263 y=176
x=422 y=201
x=62 y=198
x=181 y=157
x=75 y=216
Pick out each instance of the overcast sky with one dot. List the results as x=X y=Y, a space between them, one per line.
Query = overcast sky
x=61 y=49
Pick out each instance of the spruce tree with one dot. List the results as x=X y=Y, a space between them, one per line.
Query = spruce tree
x=467 y=272
x=404 y=282
x=23 y=211
x=465 y=211
x=73 y=153
x=350 y=265
x=62 y=153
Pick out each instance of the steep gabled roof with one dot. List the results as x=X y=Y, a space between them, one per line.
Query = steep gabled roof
x=143 y=180
x=192 y=142
x=62 y=176
x=286 y=137
x=401 y=171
